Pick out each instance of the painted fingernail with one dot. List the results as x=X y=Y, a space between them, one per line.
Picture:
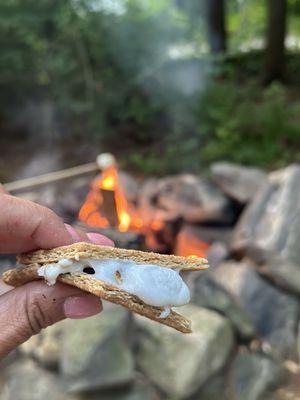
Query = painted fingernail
x=76 y=236
x=97 y=238
x=84 y=306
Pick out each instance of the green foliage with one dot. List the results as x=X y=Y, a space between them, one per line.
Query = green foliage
x=249 y=124
x=246 y=23
x=110 y=77
x=91 y=63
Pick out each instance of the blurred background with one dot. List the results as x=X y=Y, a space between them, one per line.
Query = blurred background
x=198 y=102
x=140 y=77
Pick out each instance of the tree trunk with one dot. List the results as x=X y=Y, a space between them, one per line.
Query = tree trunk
x=216 y=27
x=275 y=48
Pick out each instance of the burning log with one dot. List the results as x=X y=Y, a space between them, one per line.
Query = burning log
x=109 y=207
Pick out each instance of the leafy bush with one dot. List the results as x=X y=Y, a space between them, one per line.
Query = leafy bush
x=90 y=64
x=249 y=124
x=246 y=124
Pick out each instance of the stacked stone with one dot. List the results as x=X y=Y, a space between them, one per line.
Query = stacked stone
x=244 y=310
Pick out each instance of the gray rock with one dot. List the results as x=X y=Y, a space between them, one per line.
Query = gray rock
x=254 y=376
x=239 y=182
x=180 y=364
x=9 y=358
x=185 y=196
x=46 y=346
x=272 y=221
x=273 y=312
x=7 y=261
x=130 y=186
x=95 y=353
x=217 y=253
x=214 y=389
x=298 y=341
x=24 y=380
x=140 y=390
x=281 y=272
x=269 y=230
x=208 y=293
x=288 y=391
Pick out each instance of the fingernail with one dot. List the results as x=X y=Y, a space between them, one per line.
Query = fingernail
x=97 y=238
x=77 y=307
x=72 y=231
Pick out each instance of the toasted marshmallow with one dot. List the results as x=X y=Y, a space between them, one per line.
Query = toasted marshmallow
x=154 y=285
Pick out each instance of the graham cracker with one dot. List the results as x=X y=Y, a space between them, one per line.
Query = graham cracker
x=93 y=251
x=21 y=275
x=31 y=262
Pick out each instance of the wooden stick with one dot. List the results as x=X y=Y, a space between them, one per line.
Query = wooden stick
x=28 y=183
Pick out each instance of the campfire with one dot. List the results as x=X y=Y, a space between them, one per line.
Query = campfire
x=181 y=214
x=106 y=204
x=107 y=207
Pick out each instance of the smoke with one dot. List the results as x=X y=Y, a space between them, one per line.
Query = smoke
x=39 y=119
x=166 y=51
x=147 y=41
x=164 y=59
x=41 y=162
x=117 y=7
x=186 y=77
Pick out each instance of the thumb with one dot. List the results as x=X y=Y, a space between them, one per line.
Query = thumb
x=26 y=310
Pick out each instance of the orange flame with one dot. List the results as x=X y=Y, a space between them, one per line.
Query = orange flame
x=90 y=210
x=129 y=217
x=191 y=248
x=157 y=225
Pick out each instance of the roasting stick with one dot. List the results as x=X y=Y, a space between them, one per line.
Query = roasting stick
x=28 y=183
x=103 y=160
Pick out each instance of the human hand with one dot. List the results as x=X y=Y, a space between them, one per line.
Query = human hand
x=25 y=310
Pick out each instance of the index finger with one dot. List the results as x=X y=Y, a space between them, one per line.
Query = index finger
x=25 y=226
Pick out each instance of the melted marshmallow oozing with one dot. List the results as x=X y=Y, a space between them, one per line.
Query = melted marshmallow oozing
x=154 y=285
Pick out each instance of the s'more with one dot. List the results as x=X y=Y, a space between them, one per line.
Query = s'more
x=146 y=283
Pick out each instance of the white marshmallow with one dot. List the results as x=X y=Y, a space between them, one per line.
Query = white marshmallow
x=154 y=285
